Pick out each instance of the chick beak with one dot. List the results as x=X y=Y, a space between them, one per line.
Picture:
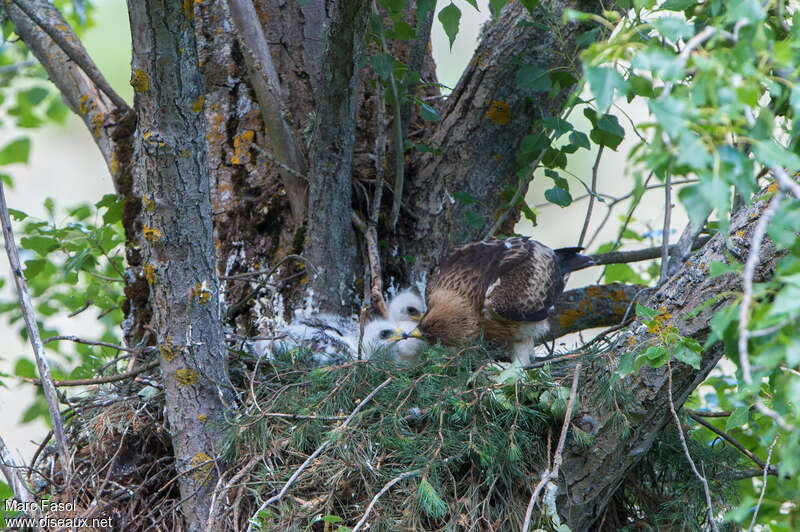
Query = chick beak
x=413 y=334
x=398 y=335
x=417 y=317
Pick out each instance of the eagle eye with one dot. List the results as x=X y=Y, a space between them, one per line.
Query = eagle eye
x=386 y=334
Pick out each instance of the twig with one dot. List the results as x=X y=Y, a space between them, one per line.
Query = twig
x=88 y=68
x=786 y=183
x=99 y=380
x=727 y=437
x=78 y=340
x=665 y=231
x=550 y=474
x=763 y=483
x=680 y=251
x=691 y=45
x=219 y=491
x=33 y=334
x=586 y=220
x=383 y=490
x=373 y=253
x=14 y=479
x=316 y=453
x=617 y=257
x=703 y=413
x=679 y=428
x=747 y=298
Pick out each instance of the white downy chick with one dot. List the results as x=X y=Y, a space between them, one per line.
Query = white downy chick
x=388 y=335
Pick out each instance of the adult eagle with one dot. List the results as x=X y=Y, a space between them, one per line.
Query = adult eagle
x=504 y=289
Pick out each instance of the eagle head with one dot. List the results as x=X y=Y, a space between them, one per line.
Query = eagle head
x=451 y=319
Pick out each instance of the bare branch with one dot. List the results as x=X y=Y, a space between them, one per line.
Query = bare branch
x=383 y=490
x=83 y=88
x=99 y=380
x=370 y=235
x=549 y=474
x=264 y=79
x=679 y=428
x=618 y=257
x=665 y=231
x=74 y=53
x=786 y=183
x=592 y=195
x=33 y=334
x=727 y=437
x=753 y=259
x=763 y=484
x=15 y=481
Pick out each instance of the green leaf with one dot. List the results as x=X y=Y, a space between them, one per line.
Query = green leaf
x=558 y=195
x=530 y=5
x=673 y=28
x=771 y=154
x=579 y=139
x=720 y=268
x=428 y=113
x=738 y=417
x=696 y=204
x=645 y=312
x=16 y=151
x=604 y=81
x=402 y=31
x=660 y=63
x=622 y=273
x=533 y=78
x=496 y=6
x=656 y=356
x=625 y=364
x=678 y=5
x=558 y=125
x=16 y=215
x=450 y=17
x=25 y=368
x=393 y=6
x=464 y=198
x=530 y=147
x=383 y=65
x=473 y=3
x=687 y=355
x=670 y=113
x=608 y=132
x=474 y=219
x=42 y=245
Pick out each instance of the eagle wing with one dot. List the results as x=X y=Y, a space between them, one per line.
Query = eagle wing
x=525 y=283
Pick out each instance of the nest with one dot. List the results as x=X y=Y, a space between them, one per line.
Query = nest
x=455 y=442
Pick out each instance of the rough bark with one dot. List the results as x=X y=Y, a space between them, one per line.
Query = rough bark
x=483 y=122
x=179 y=261
x=591 y=476
x=331 y=246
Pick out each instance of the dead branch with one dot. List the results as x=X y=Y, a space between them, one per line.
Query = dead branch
x=98 y=380
x=14 y=480
x=33 y=334
x=618 y=257
x=264 y=79
x=549 y=474
x=373 y=253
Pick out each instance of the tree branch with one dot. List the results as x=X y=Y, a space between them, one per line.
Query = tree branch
x=618 y=257
x=83 y=88
x=264 y=79
x=33 y=334
x=14 y=480
x=593 y=476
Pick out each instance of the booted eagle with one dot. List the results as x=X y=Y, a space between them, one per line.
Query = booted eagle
x=504 y=289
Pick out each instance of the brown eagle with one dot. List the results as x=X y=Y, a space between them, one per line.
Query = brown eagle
x=504 y=289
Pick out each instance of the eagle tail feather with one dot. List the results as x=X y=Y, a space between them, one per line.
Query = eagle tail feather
x=570 y=260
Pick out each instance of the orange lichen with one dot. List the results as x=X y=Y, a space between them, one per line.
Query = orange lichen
x=773 y=187
x=499 y=113
x=114 y=164
x=169 y=351
x=202 y=292
x=186 y=377
x=202 y=465
x=150 y=274
x=152 y=234
x=202 y=418
x=241 y=144
x=83 y=107
x=197 y=105
x=139 y=81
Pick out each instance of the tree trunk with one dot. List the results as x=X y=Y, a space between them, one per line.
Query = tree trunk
x=591 y=476
x=179 y=263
